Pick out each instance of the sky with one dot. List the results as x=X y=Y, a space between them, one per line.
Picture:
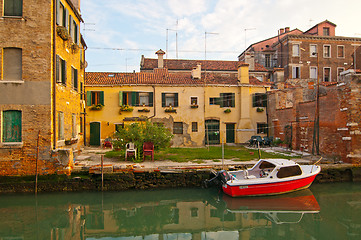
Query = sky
x=119 y=32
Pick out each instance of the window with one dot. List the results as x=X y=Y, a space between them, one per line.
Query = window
x=340 y=51
x=73 y=121
x=11 y=126
x=12 y=64
x=267 y=60
x=94 y=98
x=177 y=128
x=73 y=30
x=295 y=50
x=227 y=100
x=62 y=15
x=119 y=126
x=327 y=74
x=60 y=70
x=169 y=99
x=339 y=71
x=262 y=128
x=289 y=171
x=60 y=126
x=313 y=72
x=194 y=101
x=326 y=51
x=74 y=78
x=259 y=100
x=326 y=31
x=13 y=8
x=313 y=50
x=214 y=101
x=194 y=212
x=194 y=127
x=296 y=72
x=136 y=99
x=81 y=125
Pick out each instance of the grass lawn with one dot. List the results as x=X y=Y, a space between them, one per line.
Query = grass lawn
x=237 y=153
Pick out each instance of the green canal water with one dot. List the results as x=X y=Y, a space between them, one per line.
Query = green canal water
x=326 y=211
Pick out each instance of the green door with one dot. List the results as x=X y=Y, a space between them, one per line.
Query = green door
x=230 y=132
x=95 y=133
x=212 y=131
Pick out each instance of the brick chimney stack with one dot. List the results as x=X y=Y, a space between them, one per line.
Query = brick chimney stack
x=160 y=54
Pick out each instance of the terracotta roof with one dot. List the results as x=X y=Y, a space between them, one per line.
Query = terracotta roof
x=184 y=65
x=161 y=77
x=255 y=81
x=327 y=84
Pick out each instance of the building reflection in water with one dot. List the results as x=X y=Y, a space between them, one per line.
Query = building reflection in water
x=168 y=214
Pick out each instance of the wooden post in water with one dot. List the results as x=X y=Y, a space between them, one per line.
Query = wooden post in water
x=36 y=163
x=102 y=167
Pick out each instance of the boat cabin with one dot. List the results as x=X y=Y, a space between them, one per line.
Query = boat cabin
x=270 y=168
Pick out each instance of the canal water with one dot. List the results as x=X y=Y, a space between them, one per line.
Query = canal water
x=326 y=211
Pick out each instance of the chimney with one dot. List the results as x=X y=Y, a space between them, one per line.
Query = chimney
x=197 y=71
x=282 y=31
x=287 y=29
x=249 y=59
x=243 y=73
x=160 y=54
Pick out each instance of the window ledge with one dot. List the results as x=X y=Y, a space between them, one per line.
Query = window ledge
x=13 y=17
x=12 y=81
x=12 y=144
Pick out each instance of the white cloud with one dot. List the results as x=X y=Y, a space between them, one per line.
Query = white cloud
x=142 y=24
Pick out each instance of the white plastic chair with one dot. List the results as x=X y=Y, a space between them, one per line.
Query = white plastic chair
x=130 y=148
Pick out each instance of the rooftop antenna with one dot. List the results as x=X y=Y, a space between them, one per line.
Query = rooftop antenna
x=176 y=40
x=245 y=36
x=205 y=43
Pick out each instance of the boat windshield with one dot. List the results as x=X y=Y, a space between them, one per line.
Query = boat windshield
x=289 y=171
x=265 y=165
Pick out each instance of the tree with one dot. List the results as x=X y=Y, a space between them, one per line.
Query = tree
x=144 y=132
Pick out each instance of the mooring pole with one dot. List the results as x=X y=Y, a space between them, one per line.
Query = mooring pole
x=36 y=163
x=102 y=161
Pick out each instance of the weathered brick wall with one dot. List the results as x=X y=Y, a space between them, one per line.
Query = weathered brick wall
x=339 y=108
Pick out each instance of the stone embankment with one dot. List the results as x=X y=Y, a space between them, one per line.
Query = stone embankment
x=148 y=178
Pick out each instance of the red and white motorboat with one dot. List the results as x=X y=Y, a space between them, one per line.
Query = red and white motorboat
x=268 y=177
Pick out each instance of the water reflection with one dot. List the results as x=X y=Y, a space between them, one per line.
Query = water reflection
x=183 y=214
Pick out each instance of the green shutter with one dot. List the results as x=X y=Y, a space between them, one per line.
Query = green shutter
x=264 y=100
x=66 y=18
x=134 y=98
x=101 y=98
x=57 y=69
x=233 y=103
x=120 y=98
x=88 y=98
x=176 y=100
x=151 y=99
x=222 y=100
x=57 y=12
x=163 y=99
x=71 y=27
x=254 y=100
x=12 y=126
x=63 y=69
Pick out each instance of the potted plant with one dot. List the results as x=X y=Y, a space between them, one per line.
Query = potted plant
x=62 y=33
x=260 y=109
x=227 y=110
x=126 y=108
x=170 y=110
x=96 y=107
x=194 y=106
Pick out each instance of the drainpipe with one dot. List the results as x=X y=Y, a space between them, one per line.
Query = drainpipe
x=54 y=74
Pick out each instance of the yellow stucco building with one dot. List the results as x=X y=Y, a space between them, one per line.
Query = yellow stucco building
x=199 y=107
x=42 y=80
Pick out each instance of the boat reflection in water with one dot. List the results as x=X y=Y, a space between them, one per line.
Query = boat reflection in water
x=165 y=214
x=289 y=208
